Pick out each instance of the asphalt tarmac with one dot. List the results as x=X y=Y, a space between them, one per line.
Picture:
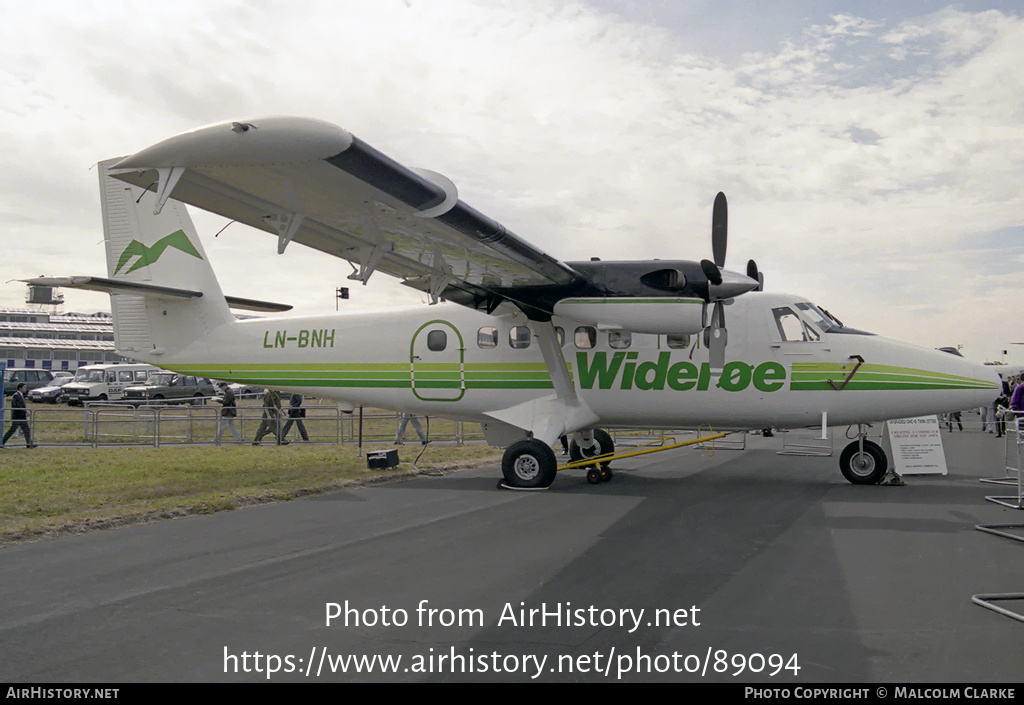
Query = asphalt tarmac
x=747 y=566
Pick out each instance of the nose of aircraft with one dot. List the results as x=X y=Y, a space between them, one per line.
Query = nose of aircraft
x=979 y=385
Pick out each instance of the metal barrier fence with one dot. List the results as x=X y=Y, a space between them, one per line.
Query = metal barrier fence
x=116 y=423
x=113 y=423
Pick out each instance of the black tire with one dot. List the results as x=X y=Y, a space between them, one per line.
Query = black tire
x=529 y=464
x=605 y=445
x=594 y=476
x=867 y=468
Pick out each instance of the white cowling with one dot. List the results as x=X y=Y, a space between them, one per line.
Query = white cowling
x=660 y=316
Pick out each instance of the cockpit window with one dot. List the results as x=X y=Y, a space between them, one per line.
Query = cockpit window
x=820 y=318
x=792 y=328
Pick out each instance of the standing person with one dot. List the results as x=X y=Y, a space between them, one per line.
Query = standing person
x=1000 y=405
x=954 y=417
x=1017 y=405
x=406 y=419
x=295 y=415
x=228 y=412
x=271 y=418
x=19 y=417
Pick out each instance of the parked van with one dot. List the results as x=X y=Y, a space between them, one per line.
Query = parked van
x=31 y=377
x=105 y=382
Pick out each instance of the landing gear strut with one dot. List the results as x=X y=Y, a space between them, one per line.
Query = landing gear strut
x=863 y=462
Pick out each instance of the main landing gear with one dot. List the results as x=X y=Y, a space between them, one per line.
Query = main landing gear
x=603 y=445
x=531 y=464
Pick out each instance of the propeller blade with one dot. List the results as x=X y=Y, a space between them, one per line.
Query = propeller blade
x=719 y=229
x=718 y=336
x=711 y=271
x=754 y=274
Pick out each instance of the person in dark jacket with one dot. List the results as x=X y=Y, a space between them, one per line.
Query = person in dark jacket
x=295 y=414
x=228 y=412
x=19 y=417
x=271 y=418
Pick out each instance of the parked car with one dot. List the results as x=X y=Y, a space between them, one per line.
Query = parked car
x=32 y=377
x=169 y=388
x=51 y=394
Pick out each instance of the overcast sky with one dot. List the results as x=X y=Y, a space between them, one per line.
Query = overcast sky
x=872 y=152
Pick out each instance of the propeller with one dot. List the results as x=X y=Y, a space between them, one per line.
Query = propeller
x=728 y=284
x=716 y=335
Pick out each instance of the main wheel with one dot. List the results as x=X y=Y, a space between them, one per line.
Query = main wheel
x=604 y=446
x=865 y=467
x=529 y=464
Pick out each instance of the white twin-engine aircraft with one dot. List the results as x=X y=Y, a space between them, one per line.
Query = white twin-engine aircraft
x=531 y=347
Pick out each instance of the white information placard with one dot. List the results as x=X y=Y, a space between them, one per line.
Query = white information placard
x=917 y=446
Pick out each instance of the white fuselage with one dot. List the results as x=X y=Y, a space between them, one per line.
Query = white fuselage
x=782 y=370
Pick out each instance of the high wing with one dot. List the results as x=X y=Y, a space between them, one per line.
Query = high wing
x=312 y=182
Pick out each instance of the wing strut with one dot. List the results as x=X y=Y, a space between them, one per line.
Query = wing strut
x=563 y=412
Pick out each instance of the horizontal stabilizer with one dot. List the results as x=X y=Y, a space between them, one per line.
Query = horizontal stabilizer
x=254 y=305
x=120 y=286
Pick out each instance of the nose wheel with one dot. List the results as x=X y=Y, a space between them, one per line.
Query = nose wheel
x=863 y=463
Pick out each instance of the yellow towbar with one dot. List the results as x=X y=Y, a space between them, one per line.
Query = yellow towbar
x=608 y=457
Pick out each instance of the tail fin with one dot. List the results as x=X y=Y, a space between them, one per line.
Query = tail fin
x=162 y=250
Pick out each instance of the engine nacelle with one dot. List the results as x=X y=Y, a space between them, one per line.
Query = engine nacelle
x=655 y=315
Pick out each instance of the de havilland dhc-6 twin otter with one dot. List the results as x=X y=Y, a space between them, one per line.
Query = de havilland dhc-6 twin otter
x=531 y=347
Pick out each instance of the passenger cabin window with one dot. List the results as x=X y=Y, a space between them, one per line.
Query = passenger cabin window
x=677 y=341
x=792 y=328
x=585 y=337
x=125 y=376
x=437 y=340
x=519 y=337
x=620 y=339
x=560 y=333
x=487 y=337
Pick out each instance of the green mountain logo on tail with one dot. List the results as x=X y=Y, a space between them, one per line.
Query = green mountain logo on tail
x=149 y=255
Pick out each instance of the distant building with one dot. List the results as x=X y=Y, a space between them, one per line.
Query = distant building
x=57 y=341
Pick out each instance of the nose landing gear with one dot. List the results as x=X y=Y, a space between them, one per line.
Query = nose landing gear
x=863 y=462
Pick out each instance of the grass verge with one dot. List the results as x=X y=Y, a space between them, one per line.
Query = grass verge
x=49 y=491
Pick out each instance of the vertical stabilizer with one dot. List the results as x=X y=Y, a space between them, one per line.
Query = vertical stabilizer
x=163 y=250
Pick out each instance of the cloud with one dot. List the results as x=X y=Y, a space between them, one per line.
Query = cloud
x=854 y=151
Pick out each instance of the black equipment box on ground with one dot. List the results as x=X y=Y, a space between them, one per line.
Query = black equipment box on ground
x=382 y=459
